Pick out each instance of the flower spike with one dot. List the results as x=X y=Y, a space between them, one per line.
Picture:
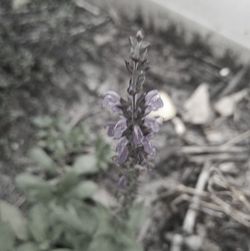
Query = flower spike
x=134 y=129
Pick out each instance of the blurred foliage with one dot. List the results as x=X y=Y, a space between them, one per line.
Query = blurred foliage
x=66 y=145
x=66 y=209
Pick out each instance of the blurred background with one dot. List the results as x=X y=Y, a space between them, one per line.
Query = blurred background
x=59 y=57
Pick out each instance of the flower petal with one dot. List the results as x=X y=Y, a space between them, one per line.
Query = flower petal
x=121 y=144
x=111 y=101
x=153 y=101
x=152 y=124
x=119 y=128
x=122 y=157
x=123 y=182
x=150 y=95
x=148 y=147
x=122 y=150
x=137 y=135
x=111 y=127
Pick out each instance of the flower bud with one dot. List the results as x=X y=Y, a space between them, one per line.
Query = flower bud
x=111 y=101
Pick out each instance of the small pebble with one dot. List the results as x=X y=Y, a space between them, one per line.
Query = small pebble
x=224 y=72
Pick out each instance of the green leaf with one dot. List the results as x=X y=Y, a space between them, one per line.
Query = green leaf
x=61 y=249
x=104 y=198
x=103 y=153
x=104 y=243
x=13 y=216
x=85 y=190
x=7 y=237
x=85 y=164
x=34 y=187
x=43 y=122
x=57 y=231
x=41 y=158
x=81 y=220
x=39 y=222
x=106 y=222
x=79 y=241
x=25 y=181
x=138 y=216
x=27 y=247
x=68 y=182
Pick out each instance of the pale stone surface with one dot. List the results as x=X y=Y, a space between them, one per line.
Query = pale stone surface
x=197 y=107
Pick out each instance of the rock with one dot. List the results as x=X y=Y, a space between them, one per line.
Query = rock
x=16 y=4
x=226 y=105
x=197 y=108
x=179 y=126
x=224 y=72
x=228 y=168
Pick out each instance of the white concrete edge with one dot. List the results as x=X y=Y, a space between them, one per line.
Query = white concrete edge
x=157 y=13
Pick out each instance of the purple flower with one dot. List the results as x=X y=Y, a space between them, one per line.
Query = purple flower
x=148 y=147
x=134 y=128
x=111 y=101
x=111 y=127
x=153 y=101
x=123 y=182
x=152 y=124
x=119 y=128
x=122 y=150
x=137 y=135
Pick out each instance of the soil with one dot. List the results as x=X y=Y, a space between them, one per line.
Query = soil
x=59 y=58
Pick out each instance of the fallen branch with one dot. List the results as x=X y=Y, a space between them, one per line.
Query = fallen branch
x=237 y=139
x=234 y=82
x=191 y=215
x=212 y=149
x=190 y=218
x=92 y=9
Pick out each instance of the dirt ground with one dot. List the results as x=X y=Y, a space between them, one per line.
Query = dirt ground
x=59 y=58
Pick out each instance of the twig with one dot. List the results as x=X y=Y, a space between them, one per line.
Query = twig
x=211 y=149
x=237 y=215
x=221 y=152
x=81 y=30
x=191 y=214
x=220 y=157
x=94 y=10
x=234 y=82
x=237 y=139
